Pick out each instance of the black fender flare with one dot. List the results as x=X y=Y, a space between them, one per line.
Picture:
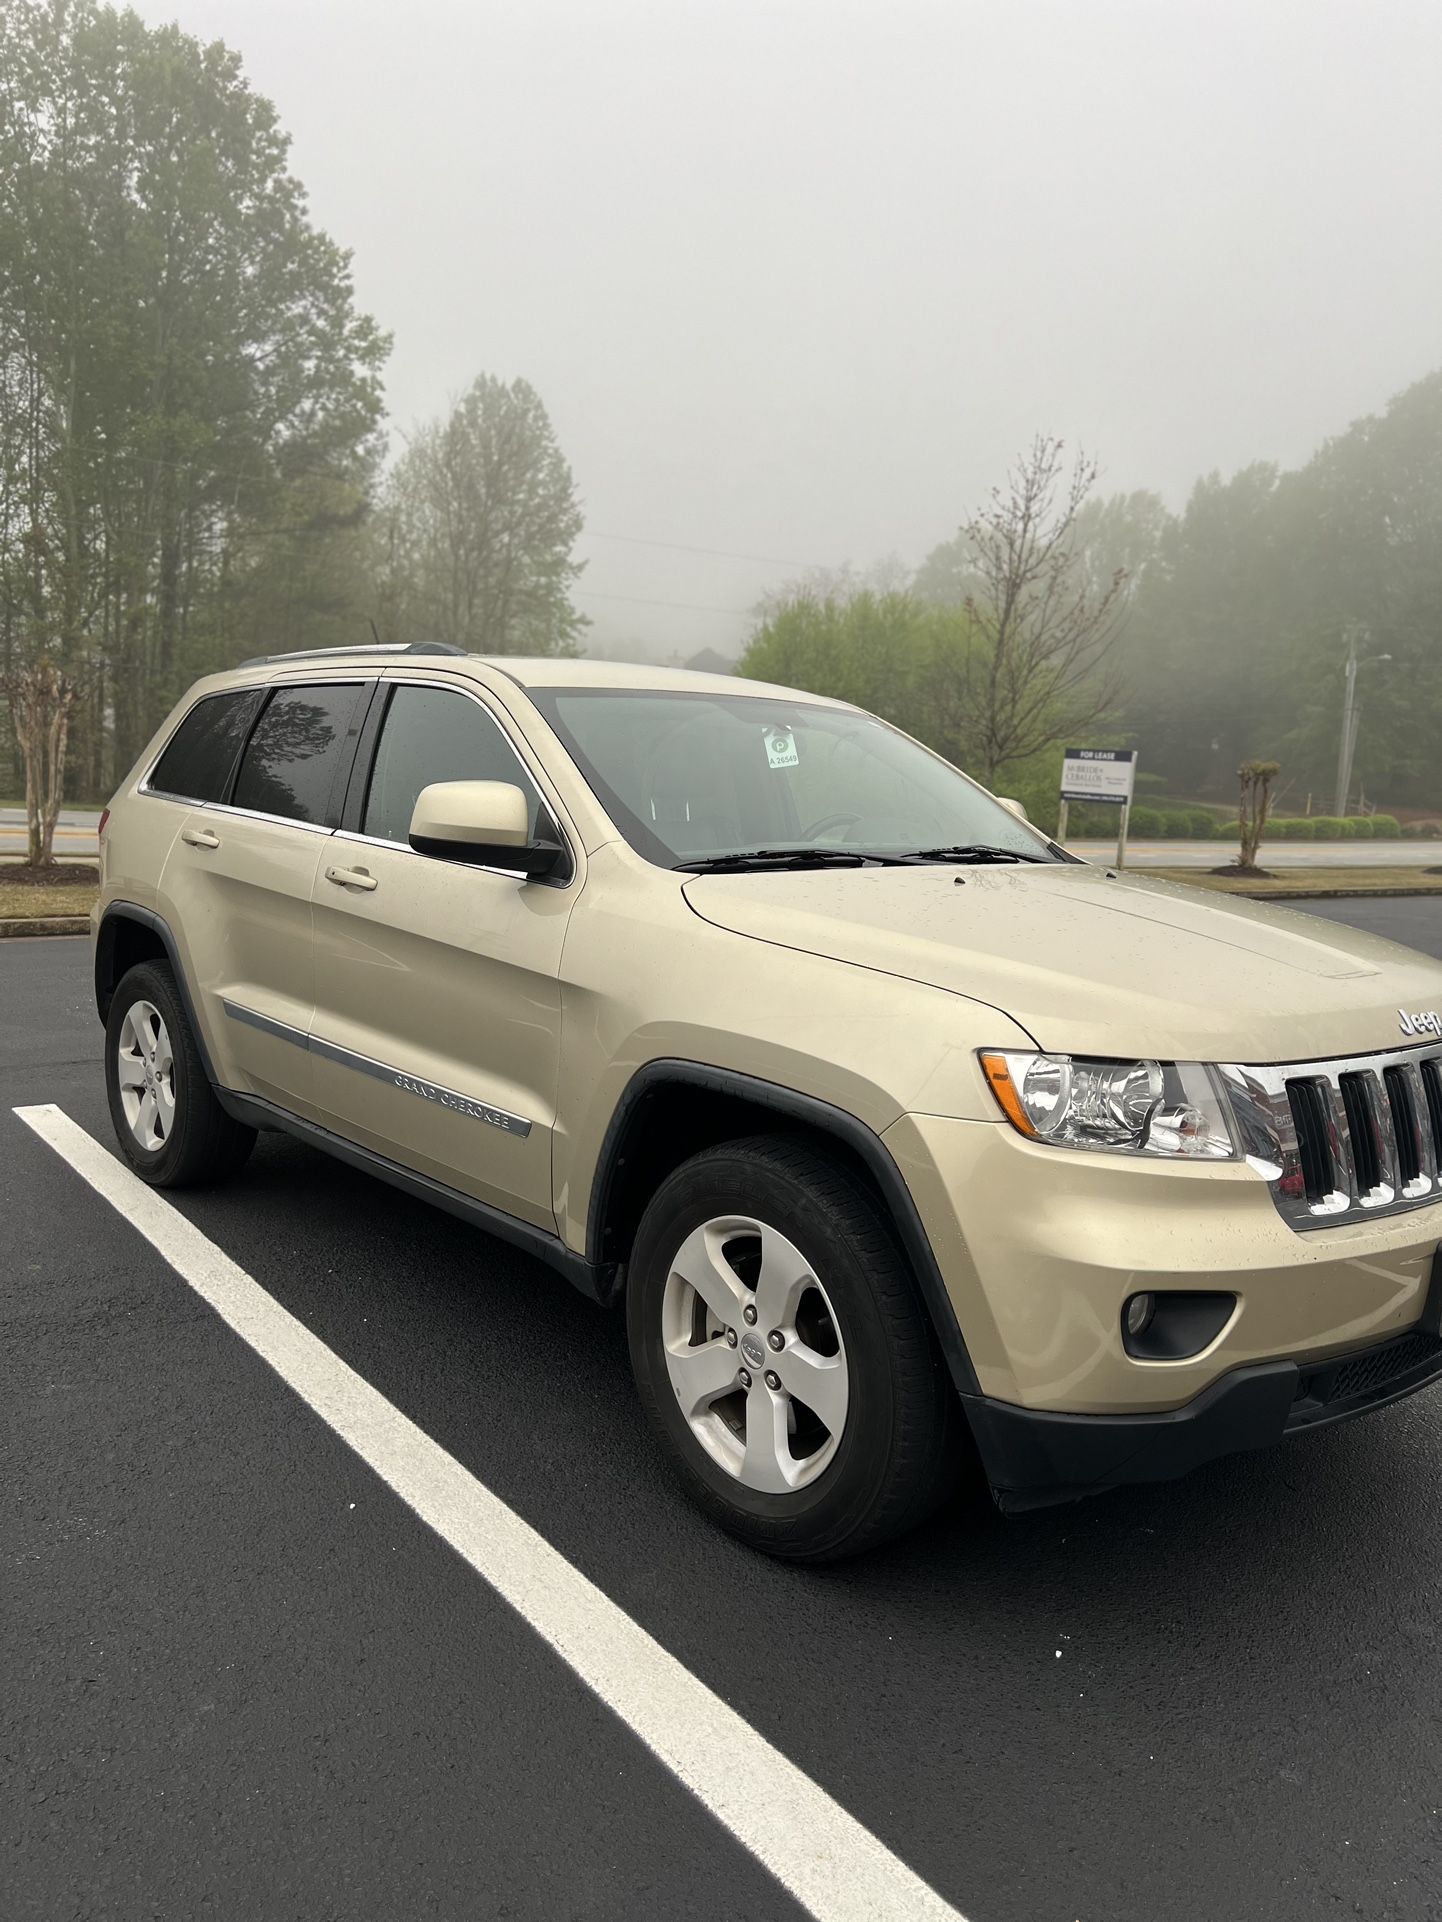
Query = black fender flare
x=823 y=1118
x=104 y=950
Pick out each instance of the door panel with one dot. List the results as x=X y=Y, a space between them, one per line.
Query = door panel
x=436 y=1037
x=237 y=883
x=237 y=891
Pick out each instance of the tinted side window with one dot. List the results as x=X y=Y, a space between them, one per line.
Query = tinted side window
x=290 y=763
x=196 y=766
x=431 y=734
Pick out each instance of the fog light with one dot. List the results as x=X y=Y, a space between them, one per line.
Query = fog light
x=1174 y=1324
x=1138 y=1313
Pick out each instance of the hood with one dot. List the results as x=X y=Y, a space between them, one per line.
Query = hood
x=1094 y=963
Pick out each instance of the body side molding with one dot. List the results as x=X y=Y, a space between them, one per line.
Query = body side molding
x=502 y=1118
x=597 y=1283
x=825 y=1119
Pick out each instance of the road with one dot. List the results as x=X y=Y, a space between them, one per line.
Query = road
x=244 y=1679
x=75 y=837
x=75 y=833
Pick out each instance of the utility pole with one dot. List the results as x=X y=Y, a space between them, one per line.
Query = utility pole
x=1351 y=714
x=1349 y=701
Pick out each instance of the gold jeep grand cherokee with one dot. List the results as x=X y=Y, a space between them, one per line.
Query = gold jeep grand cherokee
x=898 y=1130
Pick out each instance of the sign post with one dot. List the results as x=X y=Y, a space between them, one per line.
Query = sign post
x=1105 y=774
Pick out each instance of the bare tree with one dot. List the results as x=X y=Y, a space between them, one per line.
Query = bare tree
x=41 y=696
x=839 y=585
x=1032 y=664
x=1256 y=778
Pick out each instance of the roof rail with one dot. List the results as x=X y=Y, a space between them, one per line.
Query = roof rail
x=374 y=647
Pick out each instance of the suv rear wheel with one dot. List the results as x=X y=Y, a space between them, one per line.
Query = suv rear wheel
x=783 y=1355
x=171 y=1129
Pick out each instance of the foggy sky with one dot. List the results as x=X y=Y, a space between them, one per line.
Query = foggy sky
x=796 y=278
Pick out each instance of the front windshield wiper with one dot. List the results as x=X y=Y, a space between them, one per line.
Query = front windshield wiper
x=784 y=858
x=972 y=851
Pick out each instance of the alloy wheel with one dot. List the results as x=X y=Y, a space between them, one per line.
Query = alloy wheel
x=754 y=1354
x=145 y=1071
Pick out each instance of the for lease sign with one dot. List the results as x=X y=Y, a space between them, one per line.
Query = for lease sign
x=1098 y=773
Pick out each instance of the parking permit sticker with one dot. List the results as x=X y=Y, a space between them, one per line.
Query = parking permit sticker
x=781 y=747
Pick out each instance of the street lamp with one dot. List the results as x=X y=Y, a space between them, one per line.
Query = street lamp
x=1351 y=714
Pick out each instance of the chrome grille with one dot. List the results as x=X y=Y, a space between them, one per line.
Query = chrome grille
x=1338 y=1140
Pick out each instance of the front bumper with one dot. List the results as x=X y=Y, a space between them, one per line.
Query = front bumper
x=1041 y=1247
x=1034 y=1458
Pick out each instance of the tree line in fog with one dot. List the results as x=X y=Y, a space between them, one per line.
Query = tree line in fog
x=192 y=462
x=1221 y=632
x=194 y=468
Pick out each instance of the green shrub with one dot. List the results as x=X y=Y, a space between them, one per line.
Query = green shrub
x=1289 y=827
x=1177 y=824
x=1328 y=827
x=1385 y=827
x=1361 y=826
x=1303 y=827
x=1146 y=824
x=1225 y=830
x=1091 y=821
x=1201 y=819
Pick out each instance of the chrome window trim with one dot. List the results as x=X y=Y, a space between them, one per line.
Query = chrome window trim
x=267 y=686
x=447 y=685
x=253 y=814
x=448 y=1098
x=1267 y=1131
x=354 y=834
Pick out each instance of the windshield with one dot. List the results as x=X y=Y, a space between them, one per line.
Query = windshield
x=688 y=776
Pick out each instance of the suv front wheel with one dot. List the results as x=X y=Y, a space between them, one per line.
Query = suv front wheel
x=783 y=1355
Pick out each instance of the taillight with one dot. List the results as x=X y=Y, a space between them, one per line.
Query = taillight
x=104 y=817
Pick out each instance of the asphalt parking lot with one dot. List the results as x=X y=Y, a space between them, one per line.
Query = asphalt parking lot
x=242 y=1678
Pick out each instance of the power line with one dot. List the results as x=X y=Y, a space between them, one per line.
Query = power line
x=290 y=474
x=207 y=472
x=195 y=465
x=692 y=607
x=684 y=547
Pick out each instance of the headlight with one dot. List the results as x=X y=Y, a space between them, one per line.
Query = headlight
x=1166 y=1108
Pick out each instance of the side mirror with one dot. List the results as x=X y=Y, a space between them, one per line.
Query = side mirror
x=1013 y=807
x=484 y=823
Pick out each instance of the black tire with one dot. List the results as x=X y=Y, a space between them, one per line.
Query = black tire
x=204 y=1143
x=896 y=1456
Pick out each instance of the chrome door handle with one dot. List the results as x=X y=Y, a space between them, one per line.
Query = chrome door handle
x=199 y=838
x=352 y=878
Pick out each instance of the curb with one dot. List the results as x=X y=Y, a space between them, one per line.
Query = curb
x=1335 y=894
x=44 y=924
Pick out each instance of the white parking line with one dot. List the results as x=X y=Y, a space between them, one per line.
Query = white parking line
x=834 y=1867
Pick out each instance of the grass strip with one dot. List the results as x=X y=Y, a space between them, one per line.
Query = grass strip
x=29 y=902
